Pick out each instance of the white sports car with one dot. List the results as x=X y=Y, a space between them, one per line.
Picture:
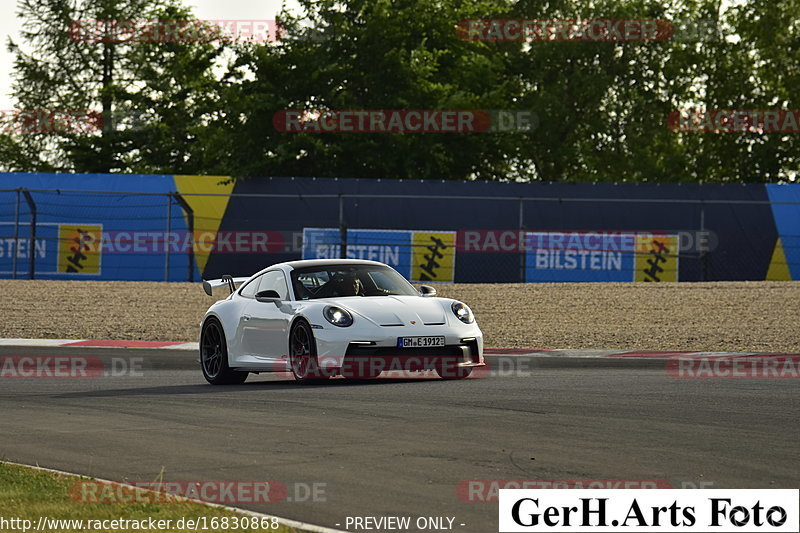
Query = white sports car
x=326 y=317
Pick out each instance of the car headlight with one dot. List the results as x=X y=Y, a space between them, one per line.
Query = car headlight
x=463 y=312
x=337 y=316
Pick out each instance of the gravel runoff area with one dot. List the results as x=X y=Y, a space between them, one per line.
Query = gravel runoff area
x=731 y=316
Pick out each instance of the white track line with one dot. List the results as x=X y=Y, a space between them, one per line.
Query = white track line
x=68 y=343
x=189 y=346
x=284 y=521
x=37 y=342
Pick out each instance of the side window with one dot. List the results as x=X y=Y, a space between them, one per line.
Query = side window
x=274 y=281
x=249 y=290
x=313 y=280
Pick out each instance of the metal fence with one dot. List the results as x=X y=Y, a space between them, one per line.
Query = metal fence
x=64 y=234
x=38 y=212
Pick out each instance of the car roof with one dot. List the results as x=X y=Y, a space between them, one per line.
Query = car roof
x=327 y=262
x=303 y=263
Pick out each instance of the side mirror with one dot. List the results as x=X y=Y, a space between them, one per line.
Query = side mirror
x=268 y=296
x=427 y=291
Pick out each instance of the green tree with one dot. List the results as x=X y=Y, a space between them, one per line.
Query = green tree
x=752 y=64
x=370 y=55
x=602 y=107
x=146 y=94
x=605 y=105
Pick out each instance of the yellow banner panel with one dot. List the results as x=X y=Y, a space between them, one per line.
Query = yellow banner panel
x=656 y=258
x=208 y=197
x=79 y=248
x=434 y=256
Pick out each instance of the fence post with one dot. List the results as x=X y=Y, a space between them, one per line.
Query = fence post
x=32 y=246
x=166 y=236
x=703 y=253
x=16 y=238
x=523 y=244
x=187 y=209
x=342 y=229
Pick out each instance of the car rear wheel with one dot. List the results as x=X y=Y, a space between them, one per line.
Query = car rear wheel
x=303 y=354
x=214 y=356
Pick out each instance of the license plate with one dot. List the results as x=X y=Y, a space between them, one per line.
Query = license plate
x=419 y=342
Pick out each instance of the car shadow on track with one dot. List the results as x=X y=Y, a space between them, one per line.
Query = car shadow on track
x=247 y=387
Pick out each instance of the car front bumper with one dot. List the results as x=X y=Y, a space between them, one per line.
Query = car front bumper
x=463 y=348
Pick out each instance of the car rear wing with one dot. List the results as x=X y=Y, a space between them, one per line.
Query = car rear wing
x=230 y=281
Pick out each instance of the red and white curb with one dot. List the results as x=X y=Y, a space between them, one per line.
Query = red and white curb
x=74 y=343
x=639 y=354
x=194 y=346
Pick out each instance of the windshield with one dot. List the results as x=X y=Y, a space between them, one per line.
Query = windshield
x=349 y=280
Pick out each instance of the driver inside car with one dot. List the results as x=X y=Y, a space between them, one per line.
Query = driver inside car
x=342 y=284
x=350 y=285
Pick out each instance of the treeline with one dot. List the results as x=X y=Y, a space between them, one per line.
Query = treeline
x=558 y=90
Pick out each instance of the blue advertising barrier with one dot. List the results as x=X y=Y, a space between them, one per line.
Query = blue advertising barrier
x=139 y=227
x=115 y=229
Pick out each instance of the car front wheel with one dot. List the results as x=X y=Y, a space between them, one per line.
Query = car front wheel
x=303 y=354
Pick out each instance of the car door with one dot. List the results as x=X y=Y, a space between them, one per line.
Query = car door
x=266 y=329
x=243 y=334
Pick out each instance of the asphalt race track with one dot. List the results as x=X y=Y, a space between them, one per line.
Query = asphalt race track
x=402 y=447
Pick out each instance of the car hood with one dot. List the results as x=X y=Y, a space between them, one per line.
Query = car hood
x=397 y=310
